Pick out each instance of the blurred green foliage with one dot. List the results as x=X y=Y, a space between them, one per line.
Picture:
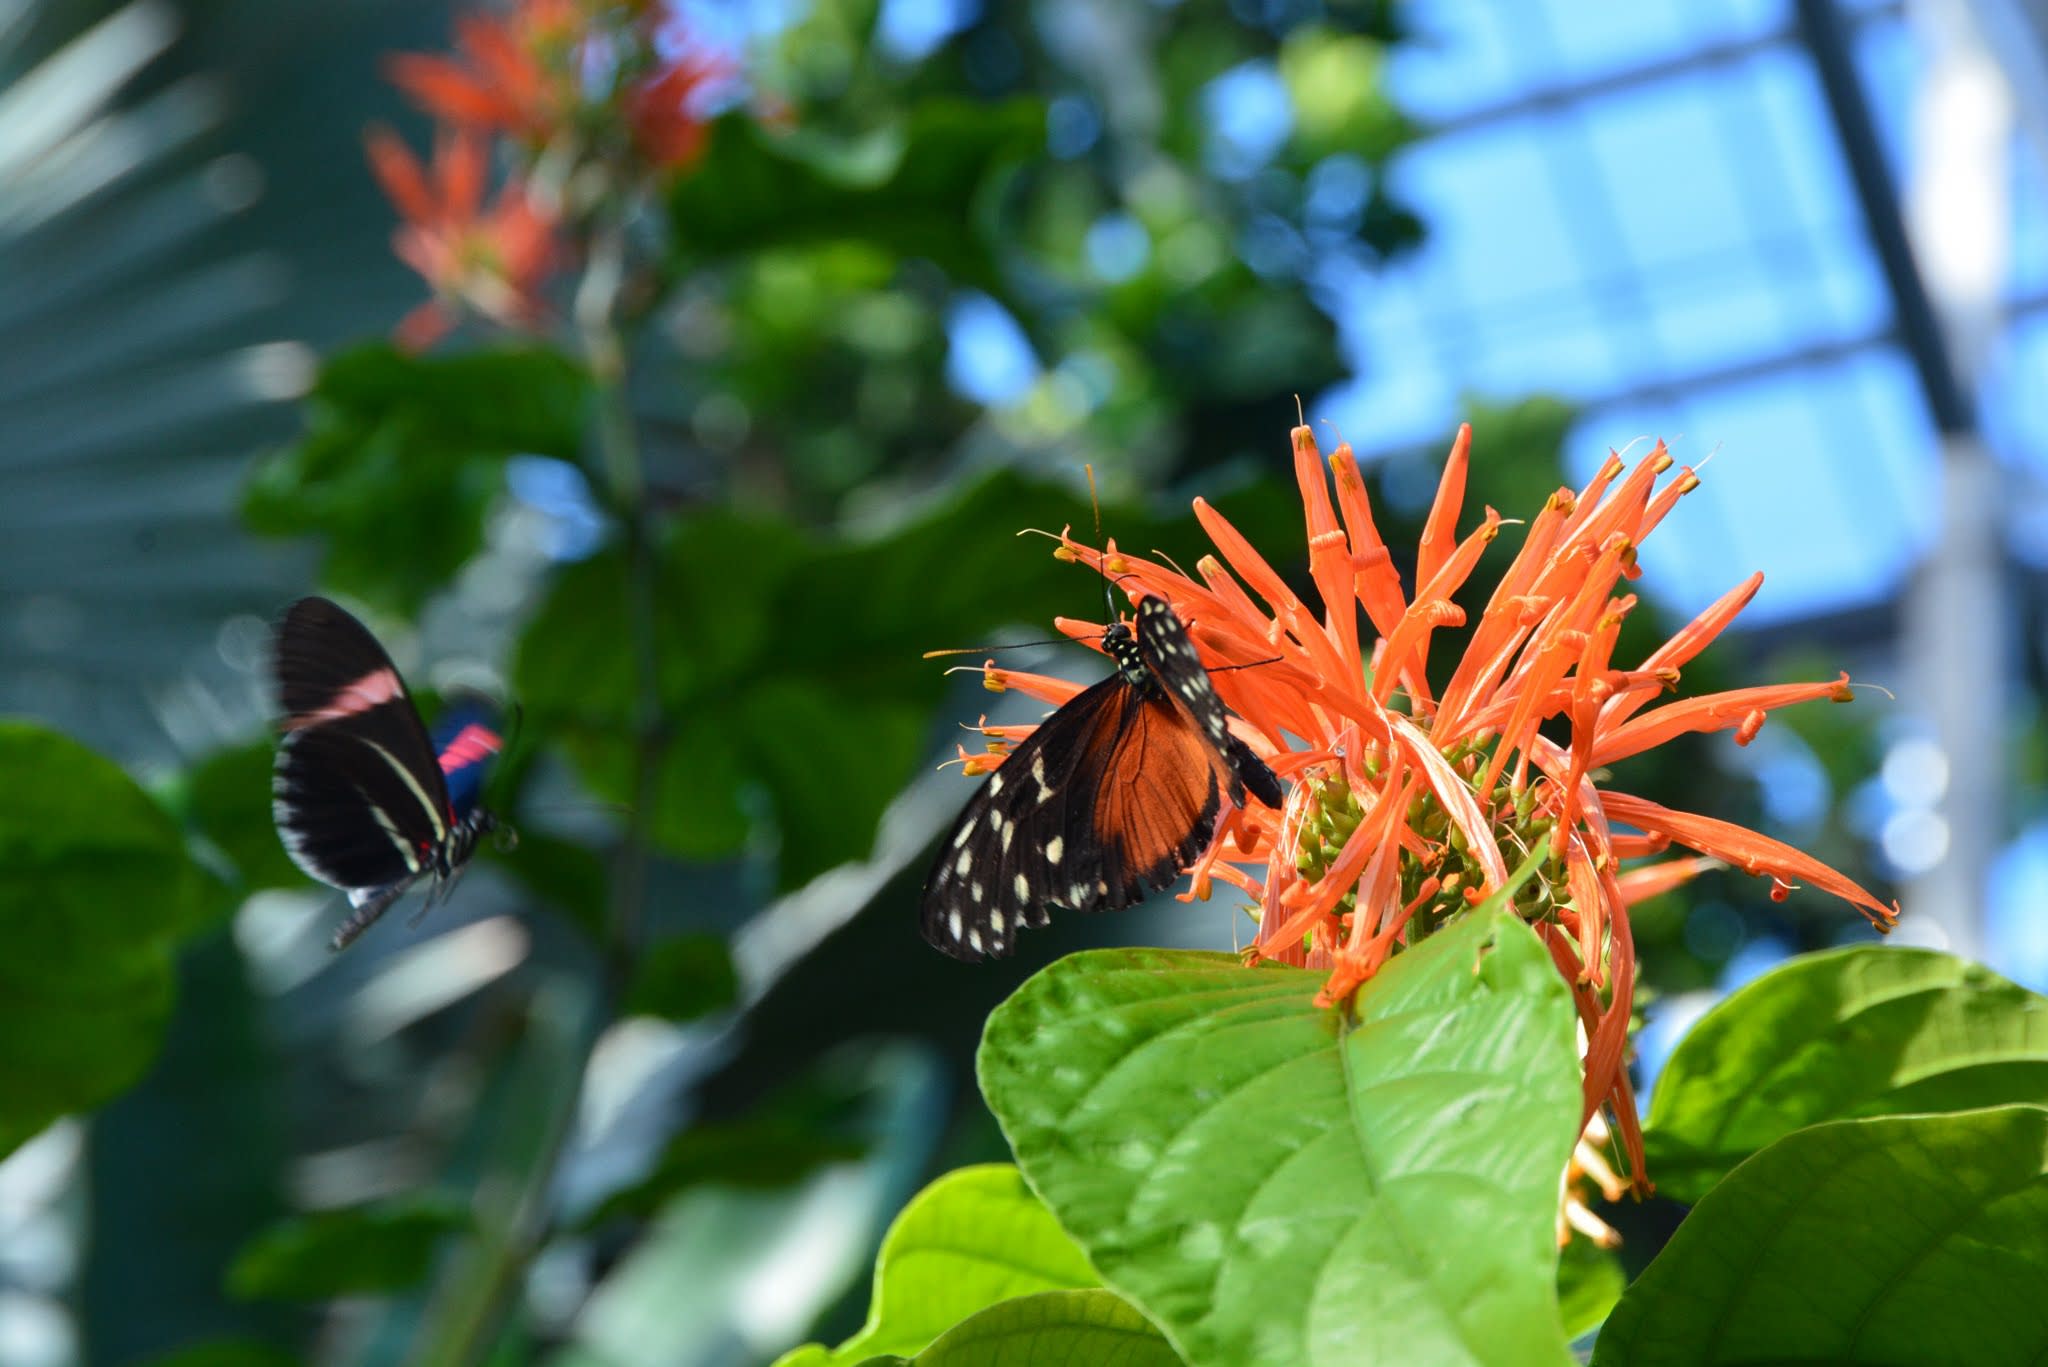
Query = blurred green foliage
x=363 y=1251
x=683 y=978
x=402 y=457
x=898 y=189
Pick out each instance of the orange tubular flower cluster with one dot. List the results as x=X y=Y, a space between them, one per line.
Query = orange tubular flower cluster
x=491 y=260
x=1409 y=805
x=515 y=73
x=546 y=68
x=570 y=85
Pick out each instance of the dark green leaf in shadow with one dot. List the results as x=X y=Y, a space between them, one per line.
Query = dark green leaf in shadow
x=1909 y=1239
x=792 y=677
x=1099 y=1328
x=1278 y=1184
x=211 y=1112
x=683 y=978
x=227 y=798
x=403 y=455
x=974 y=1238
x=95 y=889
x=1866 y=1031
x=569 y=876
x=1589 y=1281
x=369 y=1250
x=916 y=190
x=812 y=1122
x=231 y=1352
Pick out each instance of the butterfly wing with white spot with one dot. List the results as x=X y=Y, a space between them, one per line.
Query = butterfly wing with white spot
x=1170 y=654
x=1016 y=824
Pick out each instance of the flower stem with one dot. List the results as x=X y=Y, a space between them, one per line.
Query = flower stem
x=597 y=317
x=486 y=1290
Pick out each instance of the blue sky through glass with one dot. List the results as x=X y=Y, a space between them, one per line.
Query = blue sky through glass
x=1644 y=209
x=1683 y=256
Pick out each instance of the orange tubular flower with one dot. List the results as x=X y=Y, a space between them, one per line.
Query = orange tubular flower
x=493 y=261
x=1408 y=807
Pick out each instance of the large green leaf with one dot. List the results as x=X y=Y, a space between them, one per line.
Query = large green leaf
x=1911 y=1239
x=973 y=1238
x=1278 y=1184
x=403 y=455
x=1098 y=1328
x=1868 y=1031
x=95 y=888
x=791 y=670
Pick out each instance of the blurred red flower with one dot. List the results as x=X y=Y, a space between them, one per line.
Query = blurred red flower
x=665 y=113
x=513 y=74
x=492 y=261
x=624 y=73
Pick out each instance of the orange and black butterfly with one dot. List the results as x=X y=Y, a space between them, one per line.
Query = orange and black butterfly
x=1111 y=797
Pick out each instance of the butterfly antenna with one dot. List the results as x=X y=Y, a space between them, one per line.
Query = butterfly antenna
x=1253 y=664
x=1101 y=550
x=1094 y=502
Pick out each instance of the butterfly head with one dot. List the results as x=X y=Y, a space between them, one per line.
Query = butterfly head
x=465 y=836
x=1120 y=643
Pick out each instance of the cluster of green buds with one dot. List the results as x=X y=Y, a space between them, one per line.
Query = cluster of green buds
x=1445 y=879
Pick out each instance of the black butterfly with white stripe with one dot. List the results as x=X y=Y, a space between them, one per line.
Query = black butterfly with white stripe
x=364 y=798
x=1113 y=796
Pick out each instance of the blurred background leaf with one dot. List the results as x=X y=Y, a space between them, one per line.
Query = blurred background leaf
x=95 y=891
x=403 y=456
x=363 y=1251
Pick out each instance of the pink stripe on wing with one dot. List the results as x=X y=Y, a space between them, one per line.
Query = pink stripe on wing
x=471 y=743
x=374 y=689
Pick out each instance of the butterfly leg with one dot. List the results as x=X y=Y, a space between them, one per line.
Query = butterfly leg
x=369 y=903
x=444 y=884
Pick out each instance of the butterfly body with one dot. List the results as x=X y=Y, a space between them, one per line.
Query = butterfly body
x=364 y=798
x=1109 y=799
